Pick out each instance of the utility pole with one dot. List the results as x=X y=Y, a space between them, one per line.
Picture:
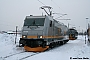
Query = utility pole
x=85 y=38
x=68 y=25
x=82 y=32
x=86 y=30
x=16 y=34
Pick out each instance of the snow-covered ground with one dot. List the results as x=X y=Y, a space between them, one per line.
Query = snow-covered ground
x=73 y=49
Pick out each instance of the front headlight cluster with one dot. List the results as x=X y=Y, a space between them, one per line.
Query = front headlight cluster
x=24 y=36
x=41 y=36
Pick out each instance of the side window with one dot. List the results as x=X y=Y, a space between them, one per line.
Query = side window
x=50 y=23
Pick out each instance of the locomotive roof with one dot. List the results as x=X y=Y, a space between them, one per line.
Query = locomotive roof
x=71 y=29
x=35 y=16
x=31 y=16
x=58 y=22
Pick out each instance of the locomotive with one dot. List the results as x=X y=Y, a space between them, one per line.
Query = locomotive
x=42 y=32
x=72 y=33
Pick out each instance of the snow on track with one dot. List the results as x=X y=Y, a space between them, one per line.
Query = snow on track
x=75 y=48
x=20 y=56
x=9 y=51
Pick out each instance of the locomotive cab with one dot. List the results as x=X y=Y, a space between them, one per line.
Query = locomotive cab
x=32 y=32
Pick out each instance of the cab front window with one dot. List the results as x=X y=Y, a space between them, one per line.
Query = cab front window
x=34 y=22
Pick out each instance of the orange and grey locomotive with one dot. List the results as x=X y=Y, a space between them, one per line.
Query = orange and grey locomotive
x=42 y=32
x=72 y=33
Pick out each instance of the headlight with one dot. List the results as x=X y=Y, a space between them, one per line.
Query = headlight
x=41 y=36
x=24 y=36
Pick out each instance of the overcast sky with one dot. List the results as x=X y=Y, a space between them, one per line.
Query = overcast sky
x=13 y=12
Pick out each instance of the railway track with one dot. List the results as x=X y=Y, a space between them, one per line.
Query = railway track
x=28 y=56
x=12 y=55
x=20 y=56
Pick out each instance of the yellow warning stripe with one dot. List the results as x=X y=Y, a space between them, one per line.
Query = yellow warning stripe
x=32 y=37
x=45 y=36
x=53 y=36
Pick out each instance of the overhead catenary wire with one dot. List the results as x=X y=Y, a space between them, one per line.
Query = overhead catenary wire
x=57 y=5
x=59 y=14
x=44 y=4
x=41 y=2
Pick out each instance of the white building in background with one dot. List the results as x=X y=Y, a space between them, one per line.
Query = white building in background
x=13 y=32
